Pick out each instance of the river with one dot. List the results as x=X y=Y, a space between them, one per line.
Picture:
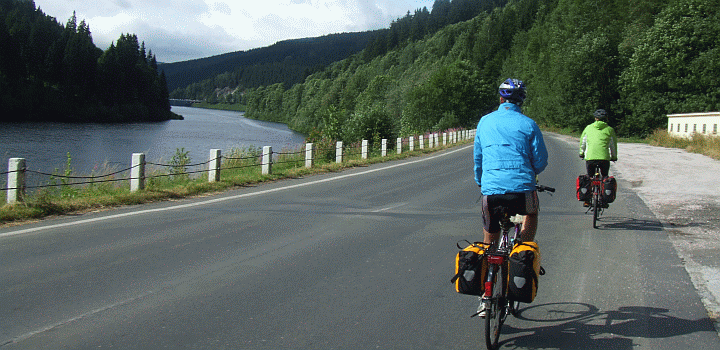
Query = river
x=94 y=148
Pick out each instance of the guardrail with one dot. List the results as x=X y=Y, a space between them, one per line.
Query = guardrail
x=17 y=169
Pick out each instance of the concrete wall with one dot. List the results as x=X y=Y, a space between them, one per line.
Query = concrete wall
x=687 y=124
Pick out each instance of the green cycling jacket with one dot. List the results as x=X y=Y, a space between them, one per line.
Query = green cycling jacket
x=598 y=142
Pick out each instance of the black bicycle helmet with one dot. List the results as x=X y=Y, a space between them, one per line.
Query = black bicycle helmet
x=513 y=90
x=600 y=114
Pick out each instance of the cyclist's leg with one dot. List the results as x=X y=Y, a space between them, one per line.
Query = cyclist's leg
x=590 y=166
x=529 y=228
x=604 y=166
x=491 y=226
x=530 y=223
x=489 y=237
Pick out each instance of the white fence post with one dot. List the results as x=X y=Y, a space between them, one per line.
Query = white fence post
x=383 y=148
x=137 y=173
x=267 y=160
x=421 y=141
x=214 y=165
x=437 y=139
x=444 y=139
x=431 y=141
x=364 y=149
x=412 y=143
x=399 y=145
x=338 y=152
x=308 y=155
x=16 y=180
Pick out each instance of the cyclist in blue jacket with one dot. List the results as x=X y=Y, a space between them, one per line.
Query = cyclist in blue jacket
x=509 y=154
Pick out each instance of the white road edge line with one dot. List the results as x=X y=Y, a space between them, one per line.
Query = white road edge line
x=28 y=335
x=217 y=200
x=388 y=208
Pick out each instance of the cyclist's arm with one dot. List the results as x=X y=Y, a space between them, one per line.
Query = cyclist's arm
x=583 y=142
x=539 y=151
x=478 y=160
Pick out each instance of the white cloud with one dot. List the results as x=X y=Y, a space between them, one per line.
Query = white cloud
x=106 y=26
x=177 y=30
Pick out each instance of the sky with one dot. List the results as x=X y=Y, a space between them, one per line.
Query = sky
x=181 y=30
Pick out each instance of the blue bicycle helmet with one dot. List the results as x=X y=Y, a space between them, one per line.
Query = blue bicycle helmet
x=513 y=90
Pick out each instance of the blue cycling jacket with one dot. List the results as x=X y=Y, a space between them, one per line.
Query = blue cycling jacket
x=509 y=152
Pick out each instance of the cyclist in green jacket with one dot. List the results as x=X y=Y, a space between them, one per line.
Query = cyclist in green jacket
x=598 y=145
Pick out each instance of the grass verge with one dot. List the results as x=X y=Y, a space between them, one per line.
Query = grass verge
x=699 y=143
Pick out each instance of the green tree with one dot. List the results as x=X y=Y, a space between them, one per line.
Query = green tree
x=373 y=124
x=50 y=71
x=676 y=68
x=449 y=98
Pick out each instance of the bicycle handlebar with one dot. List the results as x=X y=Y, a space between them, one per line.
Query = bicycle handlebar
x=542 y=188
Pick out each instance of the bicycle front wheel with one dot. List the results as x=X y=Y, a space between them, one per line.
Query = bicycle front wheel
x=496 y=311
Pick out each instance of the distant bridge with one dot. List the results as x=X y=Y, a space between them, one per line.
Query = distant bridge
x=183 y=103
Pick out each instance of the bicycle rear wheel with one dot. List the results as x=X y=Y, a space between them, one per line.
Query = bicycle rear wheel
x=496 y=310
x=596 y=208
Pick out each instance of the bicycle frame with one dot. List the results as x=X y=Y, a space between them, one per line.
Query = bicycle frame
x=494 y=301
x=499 y=256
x=596 y=206
x=496 y=304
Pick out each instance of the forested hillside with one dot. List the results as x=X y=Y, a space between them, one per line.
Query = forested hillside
x=54 y=72
x=288 y=62
x=639 y=59
x=214 y=79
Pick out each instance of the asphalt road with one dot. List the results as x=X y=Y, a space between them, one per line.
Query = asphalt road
x=355 y=260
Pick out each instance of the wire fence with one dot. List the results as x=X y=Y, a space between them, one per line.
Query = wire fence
x=154 y=171
x=35 y=180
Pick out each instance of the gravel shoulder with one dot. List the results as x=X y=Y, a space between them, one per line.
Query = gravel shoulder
x=682 y=189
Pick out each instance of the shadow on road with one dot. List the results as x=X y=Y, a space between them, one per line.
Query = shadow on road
x=625 y=223
x=583 y=326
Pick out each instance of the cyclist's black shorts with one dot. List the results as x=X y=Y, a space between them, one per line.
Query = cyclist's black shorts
x=603 y=165
x=517 y=203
